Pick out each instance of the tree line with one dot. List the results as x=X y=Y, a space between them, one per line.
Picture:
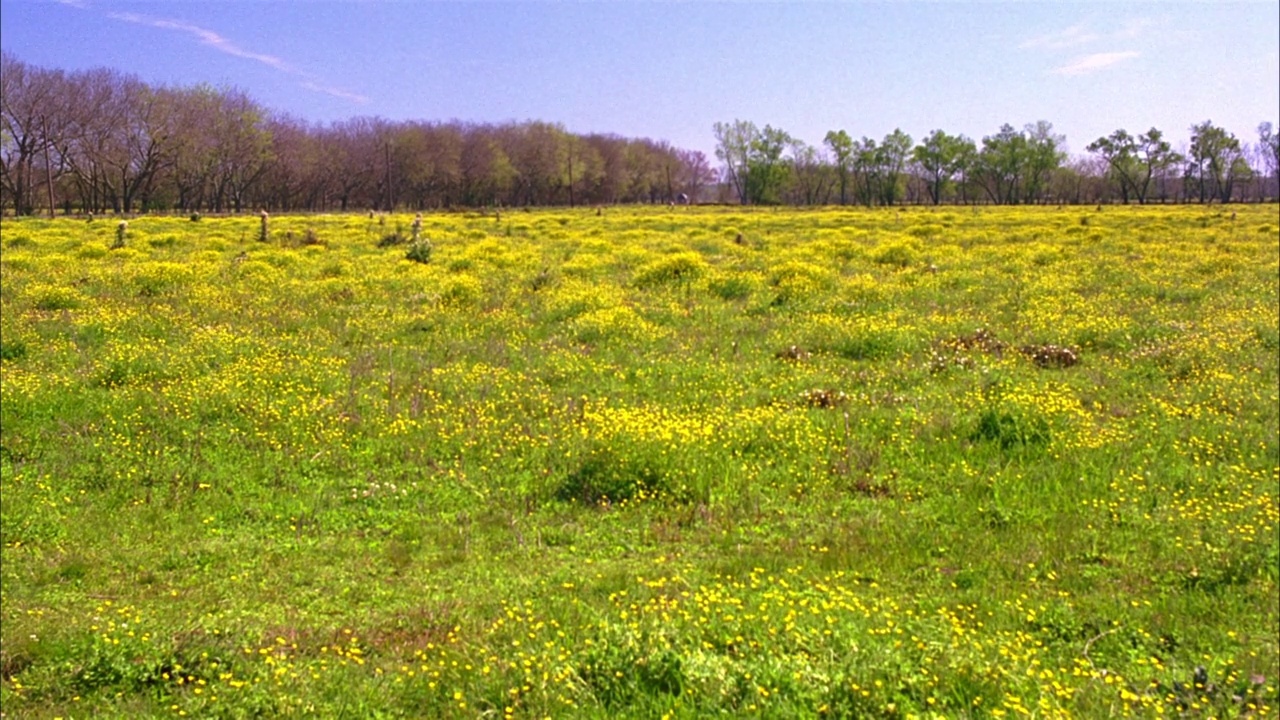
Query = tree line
x=100 y=140
x=764 y=166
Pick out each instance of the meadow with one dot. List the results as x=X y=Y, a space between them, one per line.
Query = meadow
x=653 y=462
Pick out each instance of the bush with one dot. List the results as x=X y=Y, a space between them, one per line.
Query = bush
x=419 y=252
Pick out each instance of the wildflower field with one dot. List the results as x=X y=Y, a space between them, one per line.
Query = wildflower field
x=657 y=462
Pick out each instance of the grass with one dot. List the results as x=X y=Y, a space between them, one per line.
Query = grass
x=646 y=463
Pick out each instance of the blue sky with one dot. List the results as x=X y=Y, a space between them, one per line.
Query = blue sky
x=669 y=70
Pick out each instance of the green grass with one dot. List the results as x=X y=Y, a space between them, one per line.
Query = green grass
x=571 y=466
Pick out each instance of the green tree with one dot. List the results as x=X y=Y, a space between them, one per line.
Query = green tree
x=941 y=157
x=1120 y=151
x=1212 y=165
x=1133 y=162
x=865 y=170
x=842 y=149
x=891 y=161
x=1015 y=167
x=1155 y=155
x=766 y=171
x=999 y=165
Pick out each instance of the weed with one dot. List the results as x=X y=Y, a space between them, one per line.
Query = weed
x=1010 y=430
x=12 y=349
x=419 y=251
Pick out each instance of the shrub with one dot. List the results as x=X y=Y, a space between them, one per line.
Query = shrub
x=419 y=251
x=311 y=237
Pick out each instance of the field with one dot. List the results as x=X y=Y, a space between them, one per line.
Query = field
x=662 y=462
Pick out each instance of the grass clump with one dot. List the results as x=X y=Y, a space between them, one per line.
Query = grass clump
x=677 y=268
x=605 y=476
x=1009 y=430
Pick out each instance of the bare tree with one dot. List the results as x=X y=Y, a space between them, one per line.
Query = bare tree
x=733 y=148
x=1269 y=156
x=811 y=176
x=696 y=173
x=29 y=96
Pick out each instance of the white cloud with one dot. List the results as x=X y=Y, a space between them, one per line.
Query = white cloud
x=225 y=45
x=1133 y=28
x=207 y=37
x=336 y=92
x=1081 y=34
x=1090 y=63
x=1069 y=37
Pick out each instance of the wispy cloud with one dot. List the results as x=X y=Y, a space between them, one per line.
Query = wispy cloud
x=1092 y=63
x=73 y=3
x=1069 y=37
x=223 y=44
x=1082 y=34
x=336 y=92
x=207 y=37
x=1133 y=28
